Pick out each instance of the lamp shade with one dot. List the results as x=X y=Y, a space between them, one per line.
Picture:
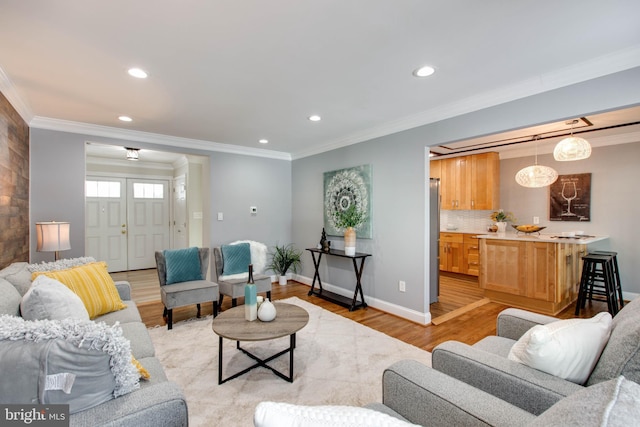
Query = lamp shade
x=52 y=236
x=536 y=176
x=572 y=148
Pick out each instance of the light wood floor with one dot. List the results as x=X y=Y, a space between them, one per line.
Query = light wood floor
x=455 y=291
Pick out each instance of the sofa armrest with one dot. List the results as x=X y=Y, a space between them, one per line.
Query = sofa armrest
x=527 y=388
x=513 y=323
x=124 y=290
x=427 y=397
x=161 y=404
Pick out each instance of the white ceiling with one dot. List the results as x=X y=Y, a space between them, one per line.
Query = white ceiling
x=228 y=73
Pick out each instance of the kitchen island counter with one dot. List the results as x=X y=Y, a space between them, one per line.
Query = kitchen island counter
x=548 y=238
x=530 y=271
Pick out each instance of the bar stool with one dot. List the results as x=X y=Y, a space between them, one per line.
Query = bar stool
x=616 y=273
x=597 y=279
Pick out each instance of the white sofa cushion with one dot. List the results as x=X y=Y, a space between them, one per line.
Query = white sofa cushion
x=278 y=414
x=568 y=349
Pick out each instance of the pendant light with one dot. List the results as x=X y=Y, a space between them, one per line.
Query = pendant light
x=572 y=148
x=536 y=176
x=133 y=154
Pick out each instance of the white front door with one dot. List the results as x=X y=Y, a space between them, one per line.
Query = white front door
x=147 y=220
x=106 y=217
x=180 y=236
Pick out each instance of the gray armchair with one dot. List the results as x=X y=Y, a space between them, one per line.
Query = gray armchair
x=234 y=287
x=485 y=365
x=188 y=292
x=416 y=393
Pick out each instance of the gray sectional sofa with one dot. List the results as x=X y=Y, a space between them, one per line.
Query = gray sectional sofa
x=157 y=401
x=479 y=385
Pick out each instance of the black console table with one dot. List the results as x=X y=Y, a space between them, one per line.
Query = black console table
x=351 y=304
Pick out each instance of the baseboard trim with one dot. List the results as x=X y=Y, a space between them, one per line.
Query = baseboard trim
x=396 y=310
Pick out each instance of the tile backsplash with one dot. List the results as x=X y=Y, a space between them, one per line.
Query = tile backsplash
x=465 y=220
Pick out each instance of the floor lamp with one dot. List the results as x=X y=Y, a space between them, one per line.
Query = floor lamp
x=53 y=237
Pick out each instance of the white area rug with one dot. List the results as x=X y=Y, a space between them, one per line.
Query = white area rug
x=337 y=362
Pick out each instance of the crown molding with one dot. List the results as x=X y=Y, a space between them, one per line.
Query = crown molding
x=598 y=67
x=151 y=138
x=9 y=91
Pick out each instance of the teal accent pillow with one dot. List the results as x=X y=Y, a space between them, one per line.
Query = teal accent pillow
x=183 y=265
x=236 y=258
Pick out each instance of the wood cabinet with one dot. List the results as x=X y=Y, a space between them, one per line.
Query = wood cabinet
x=470 y=255
x=451 y=247
x=485 y=181
x=468 y=182
x=533 y=275
x=455 y=183
x=435 y=169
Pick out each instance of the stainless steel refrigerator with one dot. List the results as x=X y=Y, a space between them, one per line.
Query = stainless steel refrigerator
x=434 y=241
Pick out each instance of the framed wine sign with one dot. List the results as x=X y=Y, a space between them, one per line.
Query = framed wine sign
x=570 y=198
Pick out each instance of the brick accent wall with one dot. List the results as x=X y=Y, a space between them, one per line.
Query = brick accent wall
x=14 y=185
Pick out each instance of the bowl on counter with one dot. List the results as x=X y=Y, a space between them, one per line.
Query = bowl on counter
x=528 y=228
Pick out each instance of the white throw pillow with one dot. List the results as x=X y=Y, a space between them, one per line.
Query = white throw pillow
x=278 y=414
x=47 y=298
x=567 y=349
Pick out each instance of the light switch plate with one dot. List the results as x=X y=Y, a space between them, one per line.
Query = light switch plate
x=220 y=216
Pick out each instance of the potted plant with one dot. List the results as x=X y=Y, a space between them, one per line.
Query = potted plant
x=349 y=220
x=500 y=217
x=283 y=259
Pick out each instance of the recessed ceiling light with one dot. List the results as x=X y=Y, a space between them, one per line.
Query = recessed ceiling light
x=125 y=118
x=263 y=141
x=424 y=71
x=138 y=73
x=315 y=118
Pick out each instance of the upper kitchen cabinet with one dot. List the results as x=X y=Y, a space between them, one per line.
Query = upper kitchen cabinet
x=468 y=182
x=435 y=169
x=455 y=183
x=485 y=181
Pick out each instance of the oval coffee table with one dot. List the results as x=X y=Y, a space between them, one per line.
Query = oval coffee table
x=232 y=325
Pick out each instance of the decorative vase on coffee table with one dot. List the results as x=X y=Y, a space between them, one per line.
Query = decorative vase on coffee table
x=350 y=241
x=267 y=311
x=250 y=298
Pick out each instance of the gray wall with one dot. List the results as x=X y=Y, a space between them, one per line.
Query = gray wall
x=57 y=187
x=615 y=205
x=236 y=182
x=398 y=211
x=400 y=167
x=239 y=182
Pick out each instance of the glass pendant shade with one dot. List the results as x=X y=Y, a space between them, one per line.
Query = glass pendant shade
x=536 y=176
x=572 y=148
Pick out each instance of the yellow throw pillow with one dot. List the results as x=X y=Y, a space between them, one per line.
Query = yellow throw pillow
x=144 y=374
x=93 y=284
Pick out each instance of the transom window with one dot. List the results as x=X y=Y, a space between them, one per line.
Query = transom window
x=102 y=189
x=143 y=190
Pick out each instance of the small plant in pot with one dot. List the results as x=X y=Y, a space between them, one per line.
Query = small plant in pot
x=283 y=259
